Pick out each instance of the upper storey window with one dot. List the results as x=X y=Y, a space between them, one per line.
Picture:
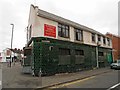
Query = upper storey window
x=78 y=34
x=93 y=37
x=63 y=30
x=30 y=30
x=108 y=40
x=104 y=41
x=99 y=38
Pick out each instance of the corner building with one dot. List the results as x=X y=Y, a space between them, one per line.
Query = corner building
x=56 y=45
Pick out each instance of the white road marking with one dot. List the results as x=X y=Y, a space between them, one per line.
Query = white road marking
x=0 y=83
x=114 y=86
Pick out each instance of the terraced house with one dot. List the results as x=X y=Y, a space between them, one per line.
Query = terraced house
x=55 y=45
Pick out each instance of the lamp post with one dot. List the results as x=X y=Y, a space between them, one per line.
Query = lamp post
x=11 y=43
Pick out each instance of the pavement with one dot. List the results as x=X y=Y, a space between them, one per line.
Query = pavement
x=14 y=78
x=70 y=77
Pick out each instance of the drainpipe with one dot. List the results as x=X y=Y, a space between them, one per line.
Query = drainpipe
x=97 y=56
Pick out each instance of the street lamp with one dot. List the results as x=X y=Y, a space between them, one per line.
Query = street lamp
x=11 y=43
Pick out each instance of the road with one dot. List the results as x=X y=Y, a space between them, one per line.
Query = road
x=105 y=81
x=13 y=78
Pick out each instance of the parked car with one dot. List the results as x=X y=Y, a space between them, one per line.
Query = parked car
x=115 y=65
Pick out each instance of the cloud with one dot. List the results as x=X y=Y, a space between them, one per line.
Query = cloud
x=100 y=15
x=15 y=12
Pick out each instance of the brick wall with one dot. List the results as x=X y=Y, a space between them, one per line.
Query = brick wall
x=115 y=45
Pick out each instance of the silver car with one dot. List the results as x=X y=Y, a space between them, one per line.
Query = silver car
x=115 y=65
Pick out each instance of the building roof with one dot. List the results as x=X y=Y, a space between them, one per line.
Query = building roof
x=113 y=35
x=16 y=50
x=59 y=19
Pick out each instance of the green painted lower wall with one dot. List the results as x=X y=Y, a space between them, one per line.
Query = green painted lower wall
x=46 y=56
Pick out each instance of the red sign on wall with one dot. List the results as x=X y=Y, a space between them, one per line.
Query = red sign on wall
x=49 y=30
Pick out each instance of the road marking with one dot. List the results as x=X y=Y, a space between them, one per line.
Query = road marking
x=69 y=83
x=114 y=86
x=0 y=83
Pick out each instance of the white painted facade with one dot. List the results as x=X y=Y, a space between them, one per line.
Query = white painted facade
x=2 y=57
x=5 y=56
x=37 y=21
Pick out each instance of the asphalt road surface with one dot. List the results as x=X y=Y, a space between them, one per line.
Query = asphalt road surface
x=106 y=81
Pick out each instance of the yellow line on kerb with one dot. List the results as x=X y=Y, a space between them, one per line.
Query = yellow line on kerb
x=69 y=83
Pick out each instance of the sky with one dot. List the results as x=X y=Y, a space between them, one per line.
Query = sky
x=100 y=15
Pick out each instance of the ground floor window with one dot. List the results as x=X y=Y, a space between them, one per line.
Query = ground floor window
x=64 y=51
x=100 y=54
x=79 y=52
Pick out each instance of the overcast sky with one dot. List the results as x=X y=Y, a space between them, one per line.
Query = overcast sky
x=100 y=15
